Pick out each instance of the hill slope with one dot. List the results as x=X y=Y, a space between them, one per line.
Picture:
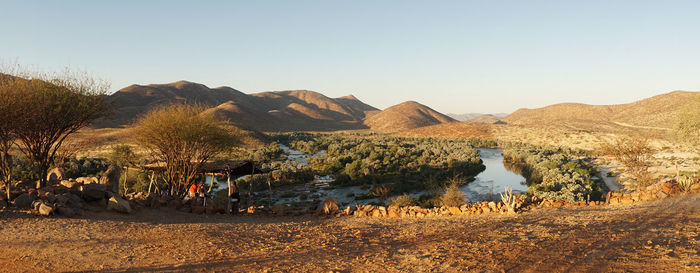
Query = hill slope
x=405 y=116
x=656 y=112
x=265 y=111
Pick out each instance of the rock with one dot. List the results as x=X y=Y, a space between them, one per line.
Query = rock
x=69 y=184
x=55 y=175
x=376 y=213
x=118 y=204
x=65 y=211
x=24 y=201
x=393 y=212
x=454 y=210
x=670 y=188
x=93 y=192
x=349 y=210
x=111 y=178
x=45 y=209
x=328 y=207
x=70 y=200
x=87 y=180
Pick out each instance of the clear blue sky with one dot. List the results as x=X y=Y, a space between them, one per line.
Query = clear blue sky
x=455 y=56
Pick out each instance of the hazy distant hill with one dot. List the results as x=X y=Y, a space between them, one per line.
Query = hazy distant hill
x=656 y=112
x=471 y=116
x=490 y=119
x=405 y=116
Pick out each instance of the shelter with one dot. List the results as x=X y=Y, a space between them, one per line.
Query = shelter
x=230 y=168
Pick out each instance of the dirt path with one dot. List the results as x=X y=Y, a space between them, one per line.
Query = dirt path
x=661 y=236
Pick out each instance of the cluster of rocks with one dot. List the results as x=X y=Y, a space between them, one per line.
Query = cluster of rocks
x=657 y=191
x=70 y=197
x=419 y=212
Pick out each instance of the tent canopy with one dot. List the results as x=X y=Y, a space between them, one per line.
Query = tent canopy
x=228 y=167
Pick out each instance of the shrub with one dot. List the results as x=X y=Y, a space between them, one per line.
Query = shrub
x=453 y=196
x=403 y=200
x=685 y=182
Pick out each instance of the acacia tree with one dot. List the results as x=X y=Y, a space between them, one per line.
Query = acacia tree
x=52 y=108
x=9 y=104
x=182 y=138
x=633 y=153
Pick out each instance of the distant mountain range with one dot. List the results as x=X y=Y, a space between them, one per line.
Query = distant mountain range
x=471 y=116
x=304 y=110
x=297 y=110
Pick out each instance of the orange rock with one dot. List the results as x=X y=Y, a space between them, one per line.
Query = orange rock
x=454 y=211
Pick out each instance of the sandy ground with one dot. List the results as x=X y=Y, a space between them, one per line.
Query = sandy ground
x=659 y=236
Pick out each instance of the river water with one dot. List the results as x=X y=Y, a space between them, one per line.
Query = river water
x=493 y=180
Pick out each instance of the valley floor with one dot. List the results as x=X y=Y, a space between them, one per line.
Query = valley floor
x=659 y=236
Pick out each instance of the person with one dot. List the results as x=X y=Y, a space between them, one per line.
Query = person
x=235 y=197
x=192 y=192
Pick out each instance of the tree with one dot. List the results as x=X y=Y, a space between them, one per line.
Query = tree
x=51 y=108
x=183 y=138
x=9 y=100
x=633 y=153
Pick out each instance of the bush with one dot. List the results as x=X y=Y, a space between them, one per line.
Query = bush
x=685 y=182
x=403 y=200
x=453 y=196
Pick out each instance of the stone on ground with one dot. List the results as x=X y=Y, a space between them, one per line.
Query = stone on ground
x=111 y=178
x=24 y=201
x=55 y=176
x=93 y=192
x=118 y=204
x=328 y=207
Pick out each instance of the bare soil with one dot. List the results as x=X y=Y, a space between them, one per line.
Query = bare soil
x=659 y=236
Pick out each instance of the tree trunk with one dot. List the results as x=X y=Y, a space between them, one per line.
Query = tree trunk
x=126 y=179
x=153 y=174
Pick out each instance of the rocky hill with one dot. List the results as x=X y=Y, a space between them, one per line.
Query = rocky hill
x=405 y=116
x=265 y=111
x=658 y=112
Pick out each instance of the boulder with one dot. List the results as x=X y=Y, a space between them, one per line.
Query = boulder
x=454 y=210
x=24 y=201
x=70 y=200
x=118 y=204
x=87 y=180
x=349 y=210
x=69 y=183
x=45 y=209
x=328 y=207
x=93 y=192
x=111 y=178
x=55 y=176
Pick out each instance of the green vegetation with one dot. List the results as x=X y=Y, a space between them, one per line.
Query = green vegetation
x=400 y=164
x=553 y=173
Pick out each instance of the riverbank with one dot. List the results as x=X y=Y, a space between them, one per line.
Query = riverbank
x=657 y=236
